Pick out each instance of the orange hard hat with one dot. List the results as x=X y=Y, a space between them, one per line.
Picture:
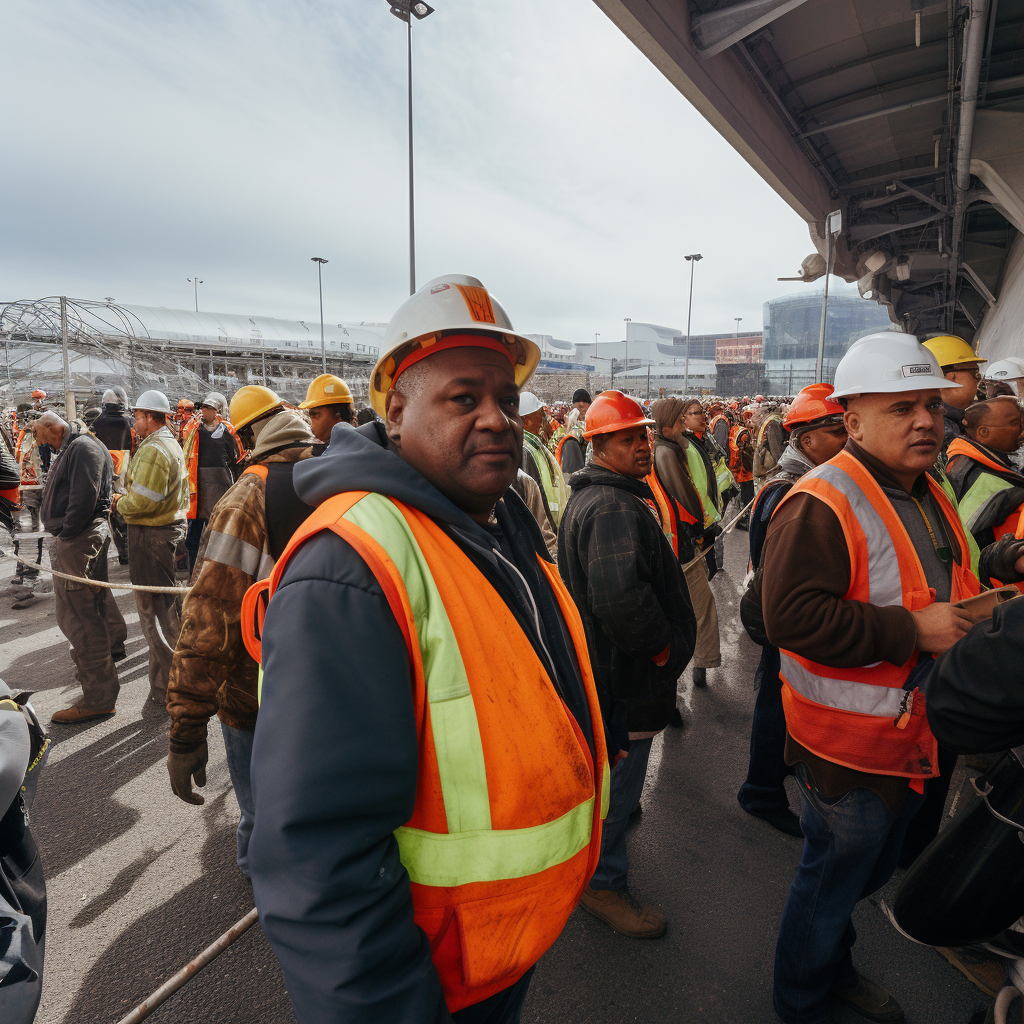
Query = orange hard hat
x=38 y=394
x=611 y=411
x=758 y=398
x=814 y=402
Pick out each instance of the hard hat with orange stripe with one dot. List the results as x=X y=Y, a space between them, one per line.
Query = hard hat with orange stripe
x=448 y=312
x=612 y=411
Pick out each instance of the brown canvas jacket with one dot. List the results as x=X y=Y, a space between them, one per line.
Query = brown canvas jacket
x=212 y=673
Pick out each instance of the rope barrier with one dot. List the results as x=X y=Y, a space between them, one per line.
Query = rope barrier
x=98 y=583
x=190 y=970
x=725 y=530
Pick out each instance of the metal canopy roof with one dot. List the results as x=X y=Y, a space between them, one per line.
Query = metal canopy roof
x=868 y=107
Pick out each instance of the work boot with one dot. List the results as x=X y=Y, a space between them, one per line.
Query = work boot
x=74 y=714
x=158 y=696
x=781 y=819
x=700 y=676
x=987 y=972
x=119 y=654
x=623 y=914
x=870 y=1000
x=676 y=719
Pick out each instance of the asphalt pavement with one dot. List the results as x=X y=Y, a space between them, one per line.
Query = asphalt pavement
x=139 y=882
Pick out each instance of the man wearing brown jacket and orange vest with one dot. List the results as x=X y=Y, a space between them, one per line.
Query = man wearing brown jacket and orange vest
x=862 y=565
x=429 y=766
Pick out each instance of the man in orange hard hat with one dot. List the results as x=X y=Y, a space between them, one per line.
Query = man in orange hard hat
x=816 y=434
x=420 y=863
x=627 y=583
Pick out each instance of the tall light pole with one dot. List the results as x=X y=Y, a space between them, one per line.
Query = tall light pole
x=692 y=260
x=195 y=282
x=320 y=261
x=406 y=10
x=737 y=319
x=627 y=320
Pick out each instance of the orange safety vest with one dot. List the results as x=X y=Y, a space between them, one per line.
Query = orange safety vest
x=740 y=474
x=670 y=512
x=191 y=447
x=118 y=456
x=862 y=717
x=506 y=829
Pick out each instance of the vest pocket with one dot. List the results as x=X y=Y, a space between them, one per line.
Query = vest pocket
x=503 y=937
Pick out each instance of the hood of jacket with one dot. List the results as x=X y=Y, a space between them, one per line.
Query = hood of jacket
x=601 y=477
x=360 y=460
x=793 y=462
x=286 y=429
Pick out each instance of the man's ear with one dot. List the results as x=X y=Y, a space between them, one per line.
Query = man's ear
x=851 y=420
x=394 y=410
x=982 y=431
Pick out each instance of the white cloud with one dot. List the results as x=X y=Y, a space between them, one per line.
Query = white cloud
x=147 y=143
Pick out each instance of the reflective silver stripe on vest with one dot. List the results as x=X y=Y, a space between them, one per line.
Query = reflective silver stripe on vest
x=884 y=586
x=844 y=694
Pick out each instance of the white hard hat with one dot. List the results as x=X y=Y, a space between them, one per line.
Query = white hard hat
x=453 y=304
x=153 y=401
x=529 y=403
x=109 y=398
x=1004 y=369
x=887 y=363
x=215 y=400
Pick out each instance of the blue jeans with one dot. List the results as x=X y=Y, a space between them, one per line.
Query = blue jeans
x=627 y=786
x=851 y=845
x=238 y=746
x=765 y=788
x=502 y=1008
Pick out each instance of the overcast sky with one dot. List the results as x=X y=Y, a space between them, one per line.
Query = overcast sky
x=234 y=139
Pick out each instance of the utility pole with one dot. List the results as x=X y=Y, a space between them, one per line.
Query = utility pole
x=627 y=320
x=692 y=260
x=69 y=395
x=320 y=261
x=195 y=282
x=833 y=225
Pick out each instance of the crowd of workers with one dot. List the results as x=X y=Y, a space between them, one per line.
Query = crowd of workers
x=518 y=585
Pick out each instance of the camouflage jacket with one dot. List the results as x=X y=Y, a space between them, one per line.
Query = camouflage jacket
x=212 y=673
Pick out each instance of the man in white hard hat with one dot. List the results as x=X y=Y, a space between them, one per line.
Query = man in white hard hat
x=415 y=867
x=863 y=562
x=538 y=462
x=154 y=508
x=1006 y=371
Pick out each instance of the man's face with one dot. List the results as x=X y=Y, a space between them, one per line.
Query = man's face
x=626 y=452
x=583 y=407
x=209 y=414
x=145 y=424
x=902 y=430
x=322 y=419
x=695 y=419
x=1001 y=428
x=460 y=426
x=49 y=434
x=968 y=376
x=533 y=422
x=823 y=443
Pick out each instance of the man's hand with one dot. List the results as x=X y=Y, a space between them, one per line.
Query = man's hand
x=182 y=768
x=939 y=626
x=1003 y=561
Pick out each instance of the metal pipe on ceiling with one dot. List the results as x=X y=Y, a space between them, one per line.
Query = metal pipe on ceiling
x=974 y=48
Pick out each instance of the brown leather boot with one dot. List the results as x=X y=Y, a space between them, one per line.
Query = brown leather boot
x=871 y=1001
x=74 y=714
x=622 y=913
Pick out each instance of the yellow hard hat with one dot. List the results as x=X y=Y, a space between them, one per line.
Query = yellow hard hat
x=250 y=403
x=326 y=390
x=949 y=350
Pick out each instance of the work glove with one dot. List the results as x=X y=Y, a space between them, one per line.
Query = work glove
x=710 y=560
x=182 y=768
x=998 y=561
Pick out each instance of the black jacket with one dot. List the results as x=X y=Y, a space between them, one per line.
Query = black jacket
x=113 y=428
x=952 y=425
x=77 y=488
x=974 y=695
x=335 y=751
x=631 y=595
